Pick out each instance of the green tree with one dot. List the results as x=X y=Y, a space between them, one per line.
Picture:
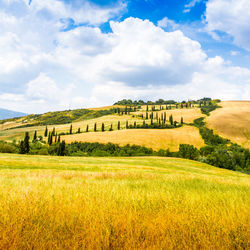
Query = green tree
x=46 y=132
x=126 y=124
x=87 y=128
x=79 y=131
x=103 y=128
x=111 y=127
x=95 y=127
x=54 y=132
x=70 y=129
x=59 y=139
x=118 y=125
x=61 y=149
x=171 y=119
x=26 y=142
x=21 y=148
x=35 y=136
x=181 y=120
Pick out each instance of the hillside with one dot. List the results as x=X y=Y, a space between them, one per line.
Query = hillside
x=232 y=121
x=6 y=114
x=153 y=138
x=121 y=203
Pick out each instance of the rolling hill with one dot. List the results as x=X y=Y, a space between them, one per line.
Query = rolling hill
x=232 y=121
x=121 y=203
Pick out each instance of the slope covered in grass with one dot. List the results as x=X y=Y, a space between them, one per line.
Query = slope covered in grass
x=151 y=138
x=121 y=203
x=232 y=121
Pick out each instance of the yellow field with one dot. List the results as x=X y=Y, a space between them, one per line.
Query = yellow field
x=152 y=138
x=121 y=203
x=232 y=121
x=189 y=115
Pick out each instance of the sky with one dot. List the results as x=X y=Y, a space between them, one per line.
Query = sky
x=67 y=54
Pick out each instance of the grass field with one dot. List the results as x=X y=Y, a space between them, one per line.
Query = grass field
x=232 y=121
x=152 y=138
x=121 y=203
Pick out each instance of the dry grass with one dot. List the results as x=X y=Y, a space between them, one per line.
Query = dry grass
x=153 y=138
x=121 y=203
x=232 y=121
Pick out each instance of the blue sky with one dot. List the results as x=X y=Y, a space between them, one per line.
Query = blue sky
x=58 y=54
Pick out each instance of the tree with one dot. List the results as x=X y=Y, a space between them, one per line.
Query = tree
x=35 y=136
x=70 y=129
x=118 y=125
x=134 y=124
x=103 y=128
x=147 y=107
x=181 y=120
x=46 y=132
x=61 y=149
x=111 y=127
x=95 y=127
x=50 y=138
x=56 y=138
x=54 y=132
x=126 y=124
x=87 y=128
x=59 y=139
x=171 y=119
x=146 y=115
x=79 y=131
x=22 y=148
x=26 y=142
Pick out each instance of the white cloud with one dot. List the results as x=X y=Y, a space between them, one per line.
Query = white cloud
x=231 y=17
x=190 y=5
x=167 y=23
x=43 y=69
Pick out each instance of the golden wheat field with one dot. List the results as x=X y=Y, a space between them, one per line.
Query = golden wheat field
x=121 y=203
x=152 y=138
x=232 y=121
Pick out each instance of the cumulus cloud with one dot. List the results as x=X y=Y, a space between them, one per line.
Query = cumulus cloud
x=43 y=68
x=231 y=17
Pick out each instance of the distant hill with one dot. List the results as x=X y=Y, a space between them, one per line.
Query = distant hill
x=6 y=114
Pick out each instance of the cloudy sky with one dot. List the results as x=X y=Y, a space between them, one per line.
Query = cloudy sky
x=65 y=54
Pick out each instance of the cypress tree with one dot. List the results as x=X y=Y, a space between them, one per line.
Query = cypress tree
x=126 y=124
x=144 y=123
x=87 y=128
x=134 y=124
x=46 y=132
x=147 y=107
x=118 y=125
x=35 y=136
x=56 y=138
x=61 y=149
x=156 y=116
x=175 y=123
x=111 y=127
x=26 y=142
x=151 y=121
x=171 y=119
x=59 y=139
x=181 y=120
x=95 y=127
x=22 y=148
x=54 y=132
x=70 y=129
x=79 y=131
x=103 y=128
x=146 y=115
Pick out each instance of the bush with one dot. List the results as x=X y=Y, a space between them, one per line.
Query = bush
x=8 y=148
